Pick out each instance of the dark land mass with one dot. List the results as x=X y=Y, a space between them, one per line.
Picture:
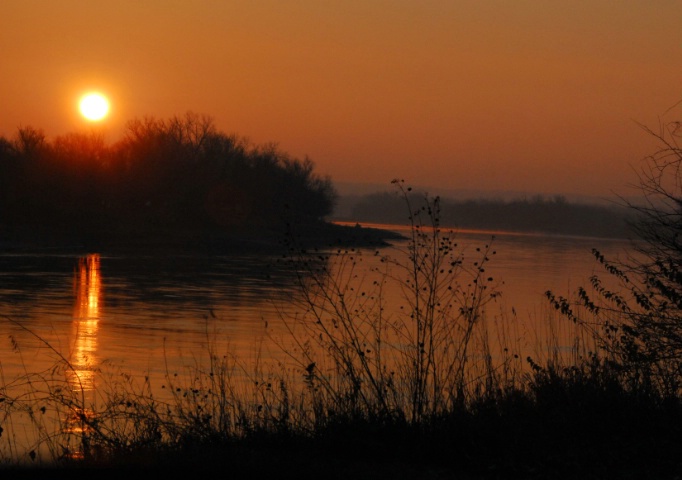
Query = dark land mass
x=317 y=235
x=175 y=184
x=180 y=184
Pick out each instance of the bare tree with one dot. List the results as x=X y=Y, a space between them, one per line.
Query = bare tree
x=29 y=141
x=639 y=321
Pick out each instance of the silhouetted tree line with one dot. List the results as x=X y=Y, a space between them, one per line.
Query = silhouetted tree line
x=173 y=175
x=553 y=215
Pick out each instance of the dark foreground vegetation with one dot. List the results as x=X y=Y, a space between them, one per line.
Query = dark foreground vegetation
x=168 y=183
x=429 y=390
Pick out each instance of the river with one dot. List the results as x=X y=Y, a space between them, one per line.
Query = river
x=153 y=315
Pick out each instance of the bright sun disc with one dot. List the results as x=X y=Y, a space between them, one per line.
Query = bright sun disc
x=94 y=106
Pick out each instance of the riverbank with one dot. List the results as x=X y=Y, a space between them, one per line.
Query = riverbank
x=209 y=241
x=557 y=427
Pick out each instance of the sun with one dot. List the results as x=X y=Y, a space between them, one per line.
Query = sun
x=94 y=106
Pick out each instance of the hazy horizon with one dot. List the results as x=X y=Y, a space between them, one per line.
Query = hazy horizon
x=359 y=189
x=531 y=97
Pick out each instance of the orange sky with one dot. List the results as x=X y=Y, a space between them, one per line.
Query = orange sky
x=535 y=96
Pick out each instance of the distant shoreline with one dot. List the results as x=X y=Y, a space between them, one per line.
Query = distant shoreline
x=535 y=216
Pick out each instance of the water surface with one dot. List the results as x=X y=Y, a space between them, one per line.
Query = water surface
x=155 y=313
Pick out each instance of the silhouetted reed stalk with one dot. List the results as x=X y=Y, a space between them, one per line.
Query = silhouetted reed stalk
x=368 y=358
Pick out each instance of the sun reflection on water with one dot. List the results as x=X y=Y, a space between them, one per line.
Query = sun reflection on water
x=87 y=285
x=88 y=293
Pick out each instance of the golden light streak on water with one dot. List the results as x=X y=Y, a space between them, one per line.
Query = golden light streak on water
x=88 y=293
x=84 y=360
